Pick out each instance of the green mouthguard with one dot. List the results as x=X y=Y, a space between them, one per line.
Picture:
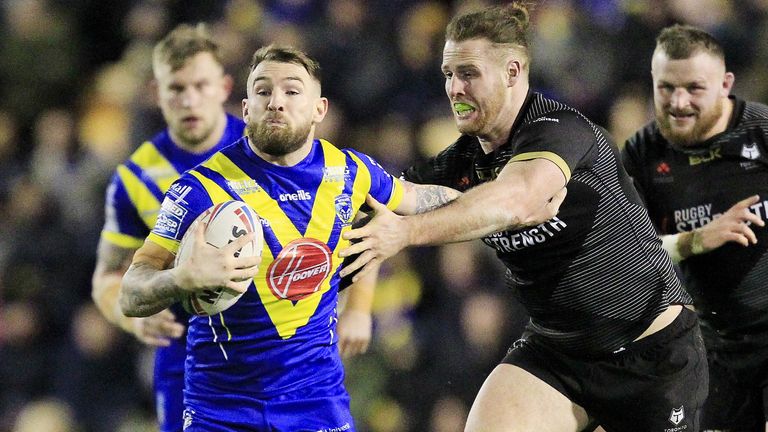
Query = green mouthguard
x=462 y=107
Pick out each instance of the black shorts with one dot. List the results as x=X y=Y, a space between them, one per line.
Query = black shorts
x=738 y=390
x=658 y=383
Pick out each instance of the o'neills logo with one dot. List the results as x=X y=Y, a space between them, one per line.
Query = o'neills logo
x=299 y=269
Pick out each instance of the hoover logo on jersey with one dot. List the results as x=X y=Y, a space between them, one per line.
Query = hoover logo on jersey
x=343 y=204
x=299 y=269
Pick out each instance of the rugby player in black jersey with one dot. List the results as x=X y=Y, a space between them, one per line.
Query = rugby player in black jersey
x=610 y=340
x=702 y=169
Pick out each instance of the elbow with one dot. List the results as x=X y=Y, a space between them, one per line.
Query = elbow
x=127 y=307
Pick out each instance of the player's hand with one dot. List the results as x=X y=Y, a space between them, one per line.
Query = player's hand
x=158 y=329
x=210 y=268
x=384 y=236
x=355 y=330
x=732 y=226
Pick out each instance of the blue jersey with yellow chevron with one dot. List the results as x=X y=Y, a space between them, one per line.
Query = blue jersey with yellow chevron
x=138 y=185
x=132 y=204
x=281 y=335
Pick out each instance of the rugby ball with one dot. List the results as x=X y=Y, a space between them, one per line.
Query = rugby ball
x=224 y=223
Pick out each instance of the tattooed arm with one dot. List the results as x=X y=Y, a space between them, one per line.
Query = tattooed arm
x=420 y=198
x=151 y=285
x=111 y=265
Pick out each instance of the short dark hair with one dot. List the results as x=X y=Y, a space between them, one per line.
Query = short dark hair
x=286 y=54
x=506 y=25
x=684 y=41
x=183 y=43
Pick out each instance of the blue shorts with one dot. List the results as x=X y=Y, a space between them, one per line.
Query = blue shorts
x=322 y=407
x=169 y=386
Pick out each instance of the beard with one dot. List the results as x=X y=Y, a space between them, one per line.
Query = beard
x=481 y=125
x=276 y=141
x=194 y=138
x=694 y=136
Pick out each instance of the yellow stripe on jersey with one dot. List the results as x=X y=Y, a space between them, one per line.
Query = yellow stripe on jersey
x=145 y=201
x=362 y=184
x=122 y=240
x=285 y=316
x=552 y=157
x=215 y=192
x=156 y=165
x=398 y=192
x=324 y=215
x=170 y=245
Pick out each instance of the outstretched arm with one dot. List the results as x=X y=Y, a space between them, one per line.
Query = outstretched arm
x=150 y=286
x=524 y=193
x=732 y=226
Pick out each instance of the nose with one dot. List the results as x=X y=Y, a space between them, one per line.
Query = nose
x=190 y=98
x=680 y=99
x=275 y=102
x=454 y=87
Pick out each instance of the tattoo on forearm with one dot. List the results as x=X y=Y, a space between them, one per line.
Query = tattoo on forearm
x=151 y=294
x=431 y=197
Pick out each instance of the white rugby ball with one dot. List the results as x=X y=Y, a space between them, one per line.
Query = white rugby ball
x=224 y=223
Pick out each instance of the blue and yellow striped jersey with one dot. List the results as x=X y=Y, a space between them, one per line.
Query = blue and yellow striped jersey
x=133 y=202
x=138 y=185
x=280 y=335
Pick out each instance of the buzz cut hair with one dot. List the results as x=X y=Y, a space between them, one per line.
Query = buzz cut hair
x=286 y=54
x=182 y=43
x=681 y=42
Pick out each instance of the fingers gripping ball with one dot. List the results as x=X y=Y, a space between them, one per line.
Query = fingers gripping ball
x=224 y=223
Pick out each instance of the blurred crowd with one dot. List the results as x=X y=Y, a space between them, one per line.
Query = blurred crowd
x=75 y=100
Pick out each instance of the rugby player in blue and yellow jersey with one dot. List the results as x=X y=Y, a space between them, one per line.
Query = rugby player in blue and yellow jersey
x=191 y=89
x=270 y=362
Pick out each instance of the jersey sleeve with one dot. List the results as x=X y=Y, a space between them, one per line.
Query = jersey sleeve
x=384 y=187
x=183 y=203
x=448 y=168
x=123 y=226
x=562 y=137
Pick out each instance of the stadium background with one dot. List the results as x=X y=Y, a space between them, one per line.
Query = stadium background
x=74 y=101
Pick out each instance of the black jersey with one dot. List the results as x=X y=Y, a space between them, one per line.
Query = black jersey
x=685 y=189
x=595 y=276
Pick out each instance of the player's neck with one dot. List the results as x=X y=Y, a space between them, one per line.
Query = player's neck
x=500 y=130
x=723 y=121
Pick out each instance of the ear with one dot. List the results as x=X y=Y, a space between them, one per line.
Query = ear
x=514 y=70
x=728 y=81
x=321 y=108
x=244 y=104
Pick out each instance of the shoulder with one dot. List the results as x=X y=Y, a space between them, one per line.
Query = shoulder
x=753 y=110
x=548 y=115
x=645 y=139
